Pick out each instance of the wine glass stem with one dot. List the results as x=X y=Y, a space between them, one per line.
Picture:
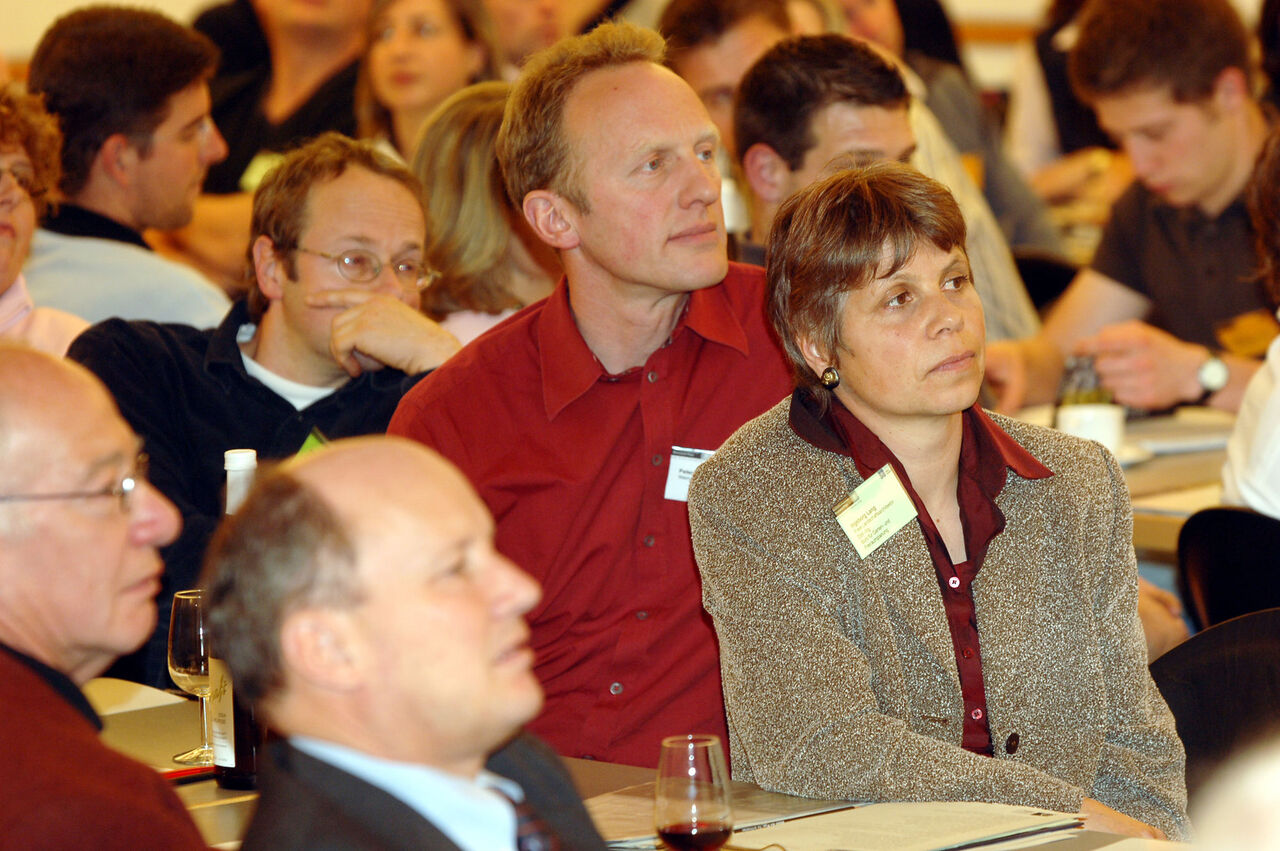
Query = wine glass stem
x=204 y=722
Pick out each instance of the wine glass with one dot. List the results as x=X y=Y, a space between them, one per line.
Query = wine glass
x=691 y=806
x=189 y=665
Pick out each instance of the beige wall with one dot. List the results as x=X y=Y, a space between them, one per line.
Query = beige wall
x=22 y=21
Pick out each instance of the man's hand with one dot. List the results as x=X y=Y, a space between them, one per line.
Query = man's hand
x=374 y=330
x=1006 y=375
x=1161 y=616
x=1145 y=367
x=1102 y=818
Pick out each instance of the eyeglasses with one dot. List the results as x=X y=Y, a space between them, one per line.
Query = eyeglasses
x=24 y=177
x=361 y=267
x=122 y=490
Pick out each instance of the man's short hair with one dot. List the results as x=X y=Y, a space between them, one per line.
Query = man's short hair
x=831 y=238
x=796 y=78
x=1126 y=45
x=109 y=69
x=285 y=549
x=280 y=202
x=687 y=24
x=532 y=148
x=25 y=124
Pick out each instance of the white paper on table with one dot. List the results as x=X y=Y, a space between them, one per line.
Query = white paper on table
x=1181 y=503
x=108 y=695
x=905 y=827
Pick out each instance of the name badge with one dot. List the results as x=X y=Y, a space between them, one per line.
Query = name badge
x=875 y=510
x=683 y=462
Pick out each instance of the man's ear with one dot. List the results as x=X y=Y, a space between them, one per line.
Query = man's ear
x=118 y=159
x=767 y=173
x=322 y=648
x=552 y=218
x=269 y=268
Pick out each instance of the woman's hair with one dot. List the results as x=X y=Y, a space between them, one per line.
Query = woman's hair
x=468 y=224
x=840 y=234
x=25 y=124
x=372 y=118
x=1263 y=200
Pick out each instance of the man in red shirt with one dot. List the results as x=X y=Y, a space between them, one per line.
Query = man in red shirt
x=580 y=420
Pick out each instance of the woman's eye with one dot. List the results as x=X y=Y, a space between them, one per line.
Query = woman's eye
x=958 y=282
x=898 y=300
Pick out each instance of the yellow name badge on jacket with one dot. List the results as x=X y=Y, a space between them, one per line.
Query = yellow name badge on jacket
x=875 y=510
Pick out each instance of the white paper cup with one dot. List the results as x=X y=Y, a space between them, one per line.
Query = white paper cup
x=1103 y=423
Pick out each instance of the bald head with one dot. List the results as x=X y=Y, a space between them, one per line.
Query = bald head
x=358 y=595
x=79 y=525
x=38 y=393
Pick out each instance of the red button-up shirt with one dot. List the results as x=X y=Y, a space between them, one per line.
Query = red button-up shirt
x=986 y=452
x=573 y=464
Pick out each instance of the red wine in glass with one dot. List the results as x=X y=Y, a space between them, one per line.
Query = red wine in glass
x=691 y=801
x=699 y=836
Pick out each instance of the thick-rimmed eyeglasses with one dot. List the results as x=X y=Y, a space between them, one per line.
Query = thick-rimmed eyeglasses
x=122 y=490
x=24 y=177
x=362 y=267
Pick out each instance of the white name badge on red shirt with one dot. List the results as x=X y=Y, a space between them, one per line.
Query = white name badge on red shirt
x=683 y=462
x=875 y=510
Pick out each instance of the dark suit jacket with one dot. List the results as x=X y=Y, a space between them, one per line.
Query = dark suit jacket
x=306 y=803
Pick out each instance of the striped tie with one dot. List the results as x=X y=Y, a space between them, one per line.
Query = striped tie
x=532 y=833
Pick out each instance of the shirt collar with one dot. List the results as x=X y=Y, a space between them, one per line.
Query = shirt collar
x=15 y=304
x=986 y=449
x=71 y=220
x=60 y=683
x=570 y=369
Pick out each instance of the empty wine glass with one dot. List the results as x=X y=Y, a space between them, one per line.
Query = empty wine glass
x=691 y=806
x=189 y=665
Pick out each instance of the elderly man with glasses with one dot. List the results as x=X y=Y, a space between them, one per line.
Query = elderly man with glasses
x=79 y=528
x=327 y=342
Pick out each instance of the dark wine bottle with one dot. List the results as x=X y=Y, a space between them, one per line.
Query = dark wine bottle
x=236 y=736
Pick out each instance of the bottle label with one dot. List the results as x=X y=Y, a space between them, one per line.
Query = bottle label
x=221 y=714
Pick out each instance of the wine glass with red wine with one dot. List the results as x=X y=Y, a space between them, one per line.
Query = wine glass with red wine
x=691 y=804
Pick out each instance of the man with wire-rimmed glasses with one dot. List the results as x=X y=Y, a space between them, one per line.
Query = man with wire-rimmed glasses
x=79 y=528
x=328 y=341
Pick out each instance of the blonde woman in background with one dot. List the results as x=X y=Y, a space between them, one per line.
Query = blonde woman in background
x=490 y=263
x=419 y=52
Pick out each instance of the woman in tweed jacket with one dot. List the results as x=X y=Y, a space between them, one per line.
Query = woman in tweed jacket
x=990 y=648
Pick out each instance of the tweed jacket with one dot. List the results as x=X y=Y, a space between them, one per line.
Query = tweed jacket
x=840 y=677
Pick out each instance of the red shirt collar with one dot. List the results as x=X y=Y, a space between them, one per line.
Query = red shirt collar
x=985 y=453
x=568 y=366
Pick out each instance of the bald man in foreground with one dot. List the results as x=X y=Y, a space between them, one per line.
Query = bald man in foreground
x=360 y=604
x=79 y=528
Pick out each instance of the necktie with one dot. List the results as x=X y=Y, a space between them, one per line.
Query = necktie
x=532 y=833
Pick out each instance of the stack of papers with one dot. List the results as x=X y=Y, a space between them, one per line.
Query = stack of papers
x=625 y=817
x=910 y=827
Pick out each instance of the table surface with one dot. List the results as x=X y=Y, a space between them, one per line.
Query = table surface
x=154 y=735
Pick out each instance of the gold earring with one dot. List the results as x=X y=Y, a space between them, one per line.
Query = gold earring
x=830 y=378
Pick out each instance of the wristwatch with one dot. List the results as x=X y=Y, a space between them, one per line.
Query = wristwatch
x=1213 y=375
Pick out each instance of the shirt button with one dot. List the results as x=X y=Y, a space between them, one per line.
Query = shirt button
x=657 y=460
x=954 y=582
x=640 y=616
x=648 y=540
x=976 y=714
x=967 y=653
x=653 y=376
x=1011 y=744
x=616 y=688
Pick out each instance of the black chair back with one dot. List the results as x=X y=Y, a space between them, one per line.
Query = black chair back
x=1228 y=564
x=1223 y=686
